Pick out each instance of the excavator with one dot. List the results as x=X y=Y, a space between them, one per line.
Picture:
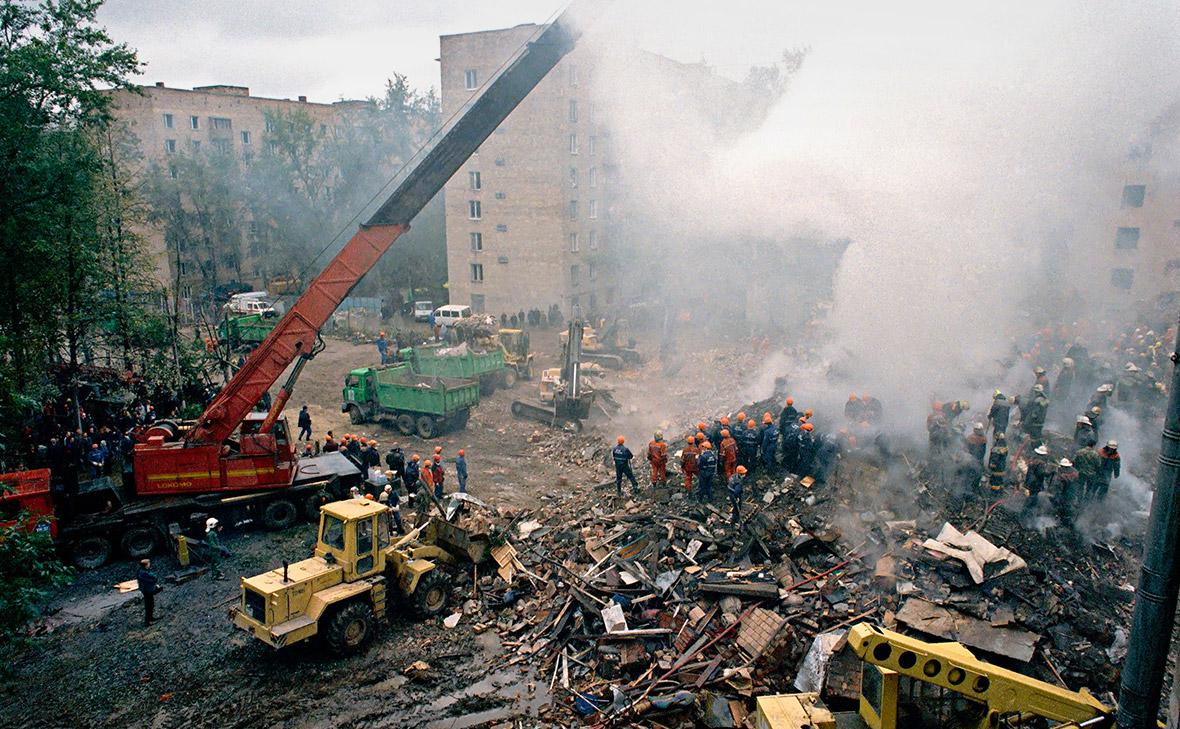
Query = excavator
x=565 y=396
x=227 y=449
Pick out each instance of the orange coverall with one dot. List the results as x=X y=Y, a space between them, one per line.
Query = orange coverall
x=657 y=456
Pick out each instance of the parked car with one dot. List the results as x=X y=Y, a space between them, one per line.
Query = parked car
x=446 y=316
x=422 y=310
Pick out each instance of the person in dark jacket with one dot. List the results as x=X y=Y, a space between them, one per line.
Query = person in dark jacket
x=1083 y=433
x=806 y=446
x=1111 y=468
x=707 y=471
x=461 y=470
x=374 y=457
x=1000 y=412
x=622 y=457
x=395 y=459
x=736 y=487
x=412 y=473
x=788 y=417
x=1065 y=489
x=1036 y=478
x=304 y=424
x=769 y=442
x=976 y=443
x=1065 y=380
x=330 y=444
x=149 y=586
x=997 y=463
x=437 y=475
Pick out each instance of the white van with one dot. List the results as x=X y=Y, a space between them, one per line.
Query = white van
x=254 y=302
x=446 y=316
x=422 y=310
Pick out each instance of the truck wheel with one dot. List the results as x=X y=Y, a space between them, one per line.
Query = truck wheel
x=138 y=542
x=405 y=424
x=349 y=628
x=279 y=514
x=312 y=504
x=430 y=598
x=355 y=416
x=461 y=419
x=427 y=428
x=509 y=377
x=487 y=385
x=90 y=553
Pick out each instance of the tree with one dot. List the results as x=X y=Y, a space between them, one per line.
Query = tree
x=29 y=570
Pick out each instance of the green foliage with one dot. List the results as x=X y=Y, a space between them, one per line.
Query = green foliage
x=29 y=570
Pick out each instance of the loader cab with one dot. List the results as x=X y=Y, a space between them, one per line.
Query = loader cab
x=354 y=535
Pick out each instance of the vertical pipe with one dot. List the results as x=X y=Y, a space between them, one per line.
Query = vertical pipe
x=1159 y=580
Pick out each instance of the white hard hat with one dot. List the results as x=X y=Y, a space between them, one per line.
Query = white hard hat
x=1084 y=419
x=1068 y=361
x=210 y=523
x=1112 y=444
x=1042 y=449
x=1065 y=463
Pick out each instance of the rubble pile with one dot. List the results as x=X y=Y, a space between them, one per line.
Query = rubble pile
x=653 y=604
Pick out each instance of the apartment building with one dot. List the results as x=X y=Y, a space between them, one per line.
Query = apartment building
x=169 y=121
x=529 y=218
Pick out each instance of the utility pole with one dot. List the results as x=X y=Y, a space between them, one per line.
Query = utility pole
x=1159 y=579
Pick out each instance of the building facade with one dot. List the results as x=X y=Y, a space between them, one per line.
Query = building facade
x=529 y=216
x=168 y=122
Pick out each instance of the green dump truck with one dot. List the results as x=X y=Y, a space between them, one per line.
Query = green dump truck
x=462 y=362
x=411 y=402
x=245 y=332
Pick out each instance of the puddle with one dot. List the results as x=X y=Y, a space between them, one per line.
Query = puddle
x=90 y=608
x=508 y=686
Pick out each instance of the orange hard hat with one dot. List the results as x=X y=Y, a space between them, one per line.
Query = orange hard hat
x=852 y=397
x=766 y=418
x=808 y=426
x=462 y=452
x=742 y=415
x=750 y=423
x=438 y=449
x=373 y=443
x=936 y=405
x=724 y=433
x=369 y=497
x=807 y=413
x=701 y=425
x=383 y=334
x=741 y=469
x=437 y=458
x=724 y=420
x=692 y=439
x=790 y=401
x=621 y=440
x=363 y=441
x=414 y=457
x=706 y=445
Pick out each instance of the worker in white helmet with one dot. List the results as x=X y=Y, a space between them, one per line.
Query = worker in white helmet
x=216 y=551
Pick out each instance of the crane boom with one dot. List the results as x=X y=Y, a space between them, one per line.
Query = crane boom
x=295 y=334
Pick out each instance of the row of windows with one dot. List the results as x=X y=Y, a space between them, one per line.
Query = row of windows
x=591 y=177
x=222 y=145
x=194 y=122
x=475 y=210
x=575 y=273
x=475 y=179
x=591 y=144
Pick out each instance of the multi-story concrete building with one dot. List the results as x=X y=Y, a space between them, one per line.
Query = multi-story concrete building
x=169 y=121
x=529 y=216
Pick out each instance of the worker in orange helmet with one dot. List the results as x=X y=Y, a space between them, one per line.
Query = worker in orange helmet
x=748 y=442
x=768 y=441
x=706 y=470
x=622 y=457
x=701 y=437
x=412 y=474
x=807 y=413
x=736 y=487
x=854 y=409
x=657 y=458
x=806 y=449
x=461 y=470
x=727 y=452
x=787 y=418
x=427 y=476
x=438 y=476
x=688 y=461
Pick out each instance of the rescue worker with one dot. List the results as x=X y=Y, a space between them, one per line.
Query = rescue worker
x=718 y=426
x=1101 y=395
x=826 y=455
x=873 y=409
x=769 y=441
x=953 y=409
x=736 y=487
x=707 y=470
x=374 y=458
x=701 y=435
x=1037 y=476
x=461 y=470
x=1111 y=468
x=622 y=456
x=976 y=443
x=1095 y=416
x=688 y=461
x=1083 y=433
x=395 y=459
x=1065 y=379
x=727 y=452
x=1042 y=379
x=1065 y=489
x=383 y=348
x=1032 y=414
x=389 y=496
x=854 y=409
x=214 y=549
x=997 y=463
x=790 y=444
x=307 y=451
x=748 y=443
x=412 y=474
x=1000 y=412
x=738 y=429
x=1089 y=465
x=437 y=476
x=149 y=587
x=657 y=458
x=937 y=429
x=330 y=444
x=426 y=476
x=806 y=449
x=788 y=417
x=354 y=447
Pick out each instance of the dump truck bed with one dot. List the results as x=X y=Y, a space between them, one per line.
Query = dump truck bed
x=399 y=388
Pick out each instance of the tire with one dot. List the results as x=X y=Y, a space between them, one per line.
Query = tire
x=509 y=377
x=349 y=628
x=405 y=424
x=311 y=505
x=139 y=541
x=461 y=419
x=487 y=385
x=427 y=428
x=90 y=553
x=430 y=599
x=355 y=416
x=279 y=514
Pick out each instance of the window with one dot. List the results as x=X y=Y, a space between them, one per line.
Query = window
x=593 y=144
x=478 y=303
x=594 y=240
x=270 y=125
x=1133 y=195
x=593 y=177
x=333 y=535
x=501 y=228
x=172 y=172
x=477 y=272
x=167 y=121
x=573 y=110
x=500 y=196
x=1122 y=278
x=474 y=211
x=593 y=211
x=186 y=291
x=477 y=241
x=245 y=137
x=573 y=144
x=499 y=161
x=573 y=177
x=196 y=144
x=183 y=268
x=470 y=79
x=220 y=122
x=575 y=274
x=194 y=122
x=1127 y=238
x=573 y=242
x=572 y=74
x=573 y=209
x=170 y=146
x=473 y=179
x=591 y=272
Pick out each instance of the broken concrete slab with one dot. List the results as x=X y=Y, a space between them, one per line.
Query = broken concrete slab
x=953 y=625
x=983 y=559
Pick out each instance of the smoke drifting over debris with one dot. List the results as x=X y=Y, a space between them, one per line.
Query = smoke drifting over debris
x=970 y=162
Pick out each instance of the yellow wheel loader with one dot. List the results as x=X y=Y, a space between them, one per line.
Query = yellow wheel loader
x=340 y=593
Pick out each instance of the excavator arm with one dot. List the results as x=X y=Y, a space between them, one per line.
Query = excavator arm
x=295 y=335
